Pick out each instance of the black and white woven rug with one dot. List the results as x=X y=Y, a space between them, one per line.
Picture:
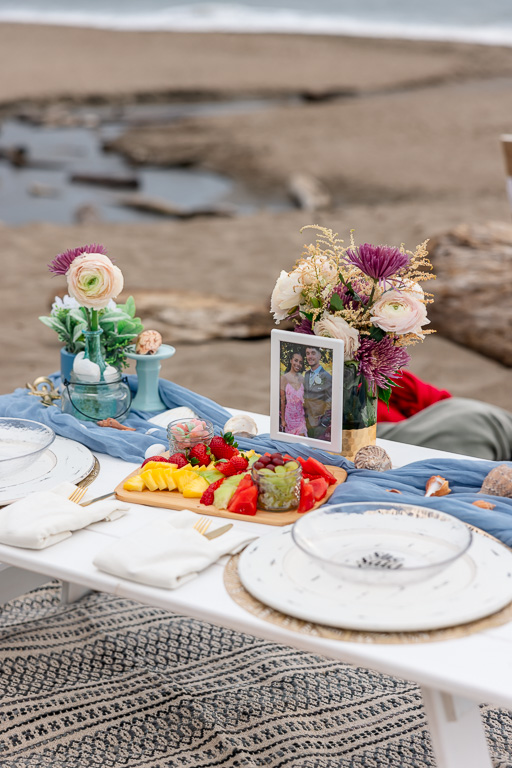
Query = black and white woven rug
x=107 y=682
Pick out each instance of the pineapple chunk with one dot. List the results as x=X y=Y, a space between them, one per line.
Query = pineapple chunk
x=159 y=465
x=171 y=485
x=184 y=476
x=135 y=483
x=196 y=488
x=149 y=480
x=159 y=476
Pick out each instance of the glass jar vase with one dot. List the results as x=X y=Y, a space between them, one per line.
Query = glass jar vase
x=96 y=401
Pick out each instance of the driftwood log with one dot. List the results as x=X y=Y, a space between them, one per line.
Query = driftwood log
x=196 y=317
x=473 y=289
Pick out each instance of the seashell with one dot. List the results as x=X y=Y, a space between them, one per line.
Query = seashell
x=242 y=425
x=483 y=504
x=392 y=490
x=148 y=342
x=372 y=457
x=114 y=424
x=437 y=486
x=498 y=482
x=157 y=449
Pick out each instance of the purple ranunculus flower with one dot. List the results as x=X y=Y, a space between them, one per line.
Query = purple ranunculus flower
x=62 y=262
x=304 y=327
x=380 y=360
x=377 y=261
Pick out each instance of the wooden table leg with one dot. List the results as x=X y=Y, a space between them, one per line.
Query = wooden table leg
x=457 y=731
x=70 y=593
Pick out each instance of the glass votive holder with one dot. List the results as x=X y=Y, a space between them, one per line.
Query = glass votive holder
x=279 y=489
x=183 y=434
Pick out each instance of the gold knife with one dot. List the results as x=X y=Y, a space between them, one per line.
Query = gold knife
x=218 y=531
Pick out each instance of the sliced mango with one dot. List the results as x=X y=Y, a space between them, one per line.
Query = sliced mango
x=149 y=481
x=135 y=483
x=195 y=489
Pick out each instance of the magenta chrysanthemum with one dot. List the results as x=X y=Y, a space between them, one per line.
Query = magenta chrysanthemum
x=304 y=327
x=349 y=301
x=62 y=262
x=377 y=261
x=380 y=361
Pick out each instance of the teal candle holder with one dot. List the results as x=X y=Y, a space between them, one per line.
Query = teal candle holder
x=148 y=373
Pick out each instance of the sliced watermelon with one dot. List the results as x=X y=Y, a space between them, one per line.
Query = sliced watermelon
x=319 y=486
x=313 y=467
x=307 y=497
x=245 y=501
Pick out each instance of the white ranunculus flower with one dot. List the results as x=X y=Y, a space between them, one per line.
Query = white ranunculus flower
x=400 y=312
x=285 y=296
x=315 y=269
x=335 y=327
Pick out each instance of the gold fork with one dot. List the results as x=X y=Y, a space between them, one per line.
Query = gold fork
x=77 y=494
x=202 y=525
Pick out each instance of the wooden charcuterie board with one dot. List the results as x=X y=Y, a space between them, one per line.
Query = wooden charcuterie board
x=175 y=500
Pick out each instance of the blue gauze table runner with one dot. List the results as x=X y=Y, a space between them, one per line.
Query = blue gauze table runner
x=464 y=476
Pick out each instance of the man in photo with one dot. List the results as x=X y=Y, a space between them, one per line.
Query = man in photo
x=317 y=395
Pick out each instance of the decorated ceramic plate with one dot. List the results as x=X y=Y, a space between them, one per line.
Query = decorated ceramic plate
x=64 y=460
x=276 y=572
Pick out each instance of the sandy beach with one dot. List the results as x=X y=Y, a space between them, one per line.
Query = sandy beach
x=404 y=136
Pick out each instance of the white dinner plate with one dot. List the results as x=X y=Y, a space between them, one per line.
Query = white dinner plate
x=275 y=571
x=64 y=460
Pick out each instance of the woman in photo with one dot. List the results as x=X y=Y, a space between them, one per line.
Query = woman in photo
x=293 y=419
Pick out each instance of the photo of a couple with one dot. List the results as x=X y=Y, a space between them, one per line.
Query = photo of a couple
x=305 y=391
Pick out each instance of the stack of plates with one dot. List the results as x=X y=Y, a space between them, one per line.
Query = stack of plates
x=64 y=460
x=275 y=571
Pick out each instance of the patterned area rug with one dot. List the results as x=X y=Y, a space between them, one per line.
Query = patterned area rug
x=107 y=682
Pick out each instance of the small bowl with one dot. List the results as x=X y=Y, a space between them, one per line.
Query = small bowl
x=22 y=441
x=386 y=543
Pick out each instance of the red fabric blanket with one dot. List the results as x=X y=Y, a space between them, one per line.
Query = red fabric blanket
x=410 y=396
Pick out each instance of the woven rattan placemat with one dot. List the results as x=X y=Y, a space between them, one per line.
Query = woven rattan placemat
x=243 y=598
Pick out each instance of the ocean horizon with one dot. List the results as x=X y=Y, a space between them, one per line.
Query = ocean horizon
x=450 y=20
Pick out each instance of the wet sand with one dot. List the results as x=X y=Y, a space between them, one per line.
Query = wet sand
x=407 y=145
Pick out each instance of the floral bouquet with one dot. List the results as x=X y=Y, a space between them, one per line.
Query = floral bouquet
x=370 y=297
x=89 y=311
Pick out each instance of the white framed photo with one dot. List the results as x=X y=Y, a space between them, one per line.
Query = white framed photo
x=306 y=389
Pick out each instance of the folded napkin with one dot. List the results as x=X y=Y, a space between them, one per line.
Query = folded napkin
x=170 y=552
x=47 y=517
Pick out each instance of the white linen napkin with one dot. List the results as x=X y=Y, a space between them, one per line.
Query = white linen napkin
x=169 y=552
x=47 y=517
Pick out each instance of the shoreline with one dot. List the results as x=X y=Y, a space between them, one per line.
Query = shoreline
x=242 y=20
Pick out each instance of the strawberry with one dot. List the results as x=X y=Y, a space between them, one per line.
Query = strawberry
x=223 y=446
x=207 y=497
x=226 y=468
x=157 y=458
x=240 y=463
x=178 y=458
x=199 y=455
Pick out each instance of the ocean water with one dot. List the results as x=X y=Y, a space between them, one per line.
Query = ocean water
x=481 y=21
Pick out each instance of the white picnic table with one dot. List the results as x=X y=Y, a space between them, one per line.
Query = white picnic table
x=455 y=675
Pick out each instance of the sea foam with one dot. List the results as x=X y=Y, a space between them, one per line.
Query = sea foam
x=225 y=17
